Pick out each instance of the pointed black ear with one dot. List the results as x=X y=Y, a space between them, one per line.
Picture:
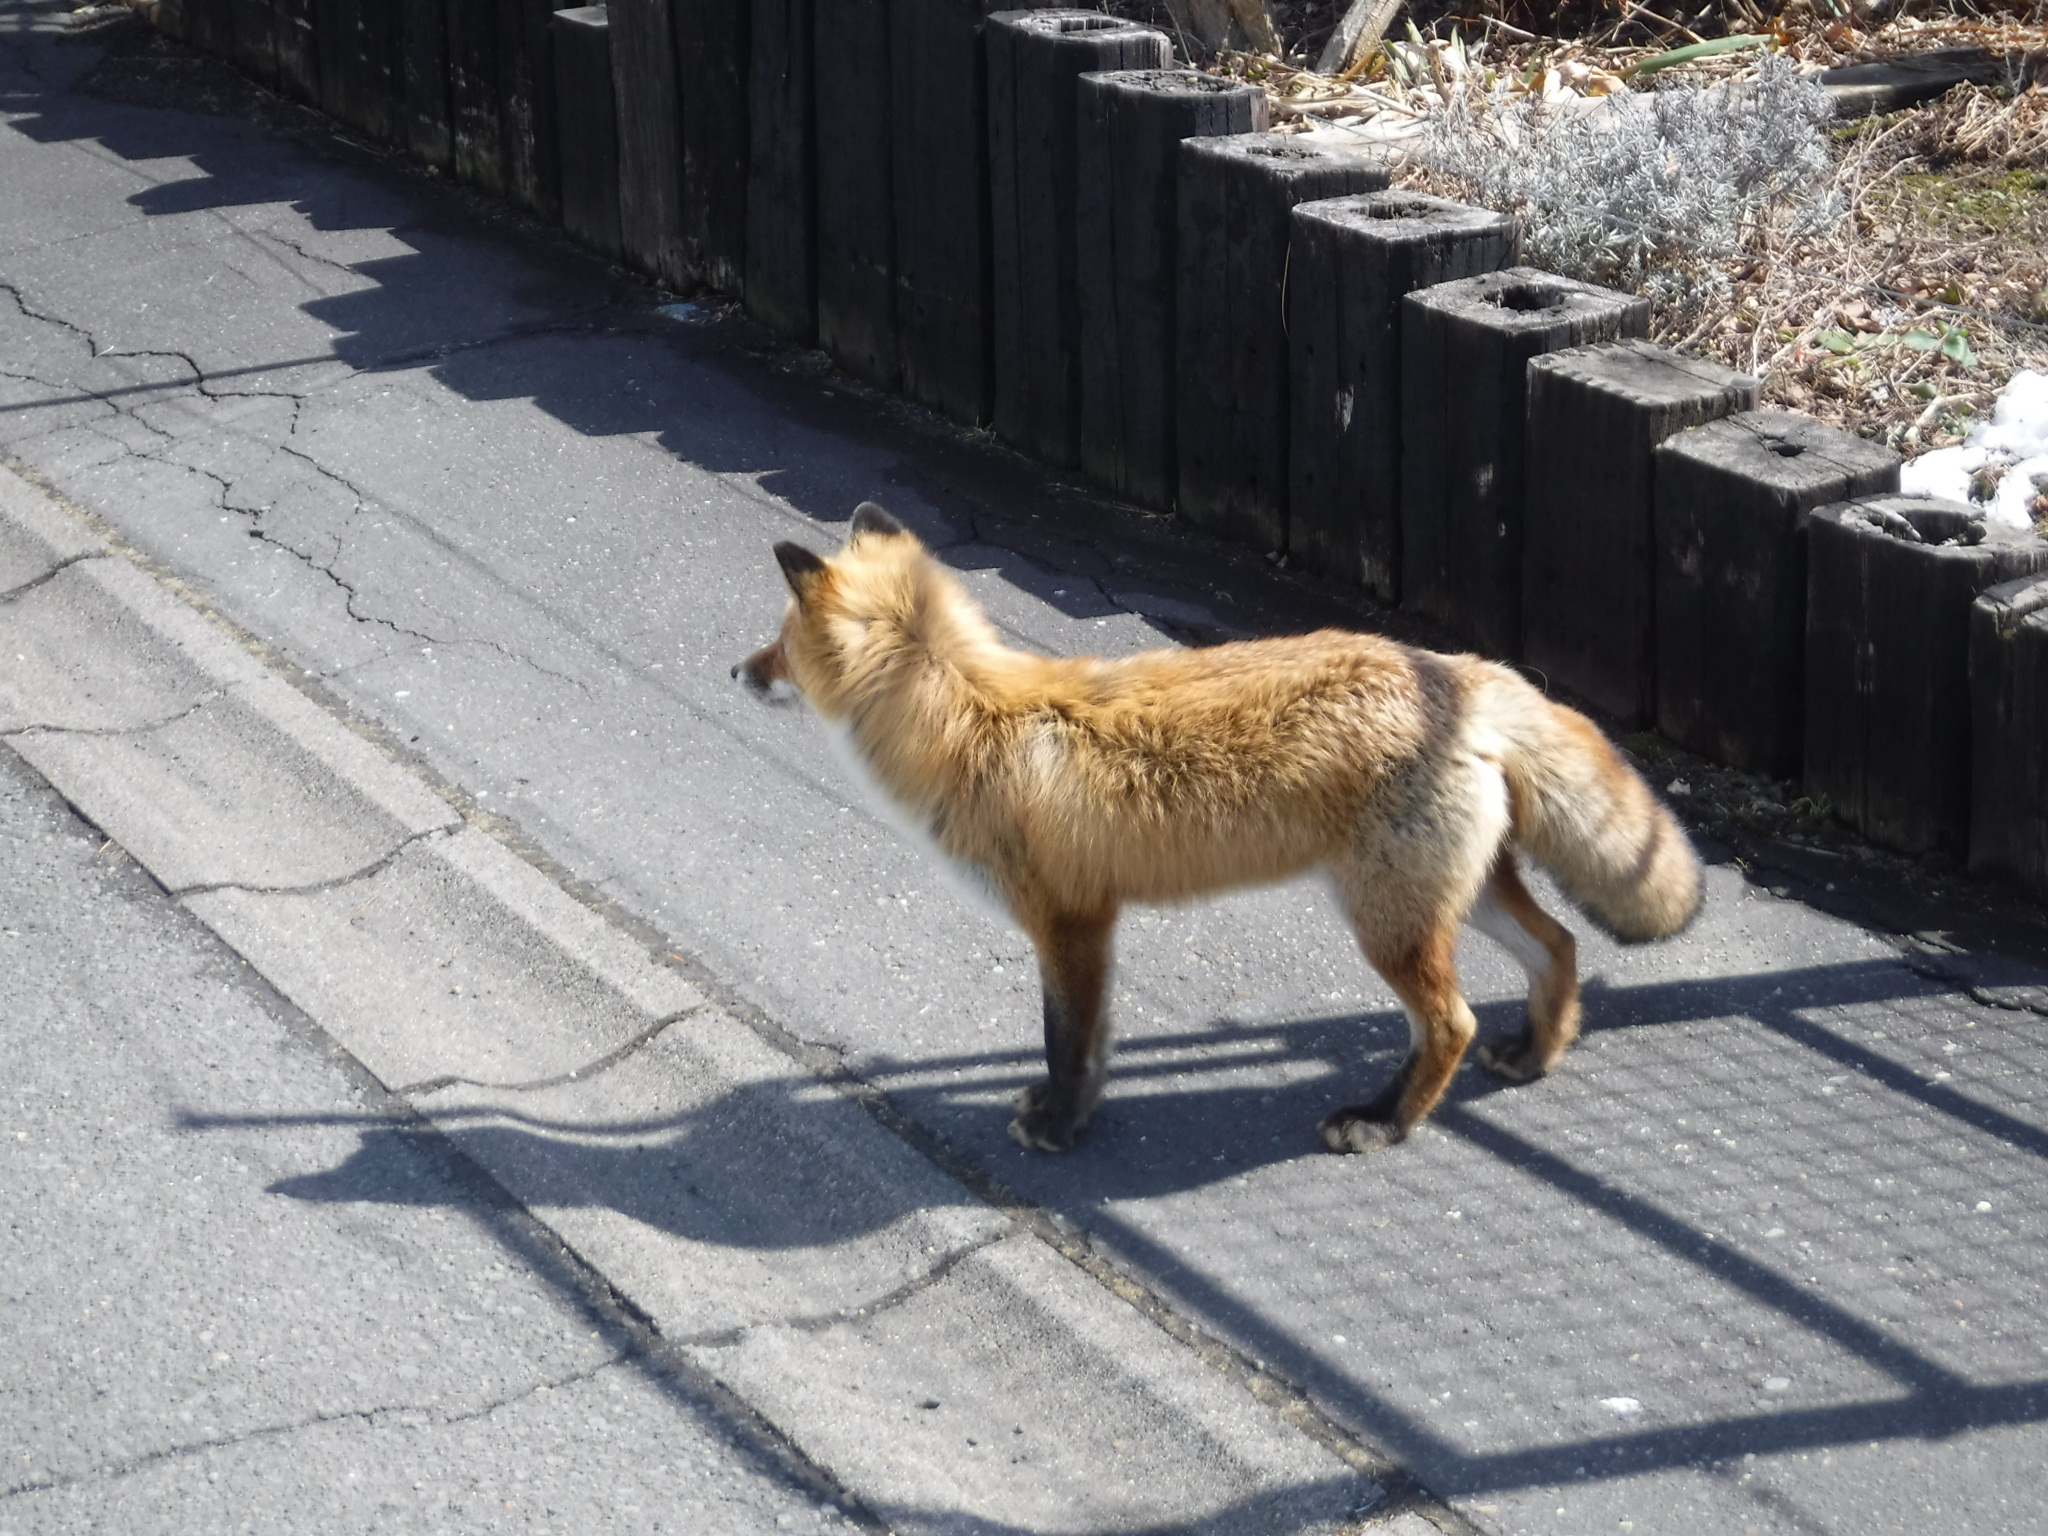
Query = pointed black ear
x=869 y=518
x=800 y=567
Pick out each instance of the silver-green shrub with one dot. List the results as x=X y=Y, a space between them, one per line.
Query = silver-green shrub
x=1649 y=190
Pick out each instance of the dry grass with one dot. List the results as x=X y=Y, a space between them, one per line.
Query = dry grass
x=1937 y=247
x=1901 y=323
x=1826 y=32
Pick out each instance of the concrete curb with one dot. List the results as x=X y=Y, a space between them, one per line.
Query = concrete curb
x=254 y=787
x=842 y=1216
x=1074 y=1416
x=154 y=658
x=455 y=960
x=779 y=1234
x=36 y=538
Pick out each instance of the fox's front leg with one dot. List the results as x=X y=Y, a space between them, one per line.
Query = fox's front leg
x=1073 y=968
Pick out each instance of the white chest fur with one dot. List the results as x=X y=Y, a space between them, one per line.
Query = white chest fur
x=972 y=879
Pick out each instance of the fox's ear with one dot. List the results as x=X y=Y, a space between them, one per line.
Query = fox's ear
x=869 y=518
x=800 y=568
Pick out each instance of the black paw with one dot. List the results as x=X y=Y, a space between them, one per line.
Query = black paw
x=1043 y=1125
x=1358 y=1128
x=1515 y=1061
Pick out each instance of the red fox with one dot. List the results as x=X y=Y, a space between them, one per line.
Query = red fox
x=1073 y=786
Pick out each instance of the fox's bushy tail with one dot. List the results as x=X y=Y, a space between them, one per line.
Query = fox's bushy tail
x=1582 y=813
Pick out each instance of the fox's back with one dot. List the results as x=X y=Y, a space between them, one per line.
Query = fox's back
x=1173 y=772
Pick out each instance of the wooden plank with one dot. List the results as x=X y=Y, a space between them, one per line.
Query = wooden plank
x=587 y=127
x=856 y=250
x=939 y=180
x=1127 y=222
x=1351 y=262
x=782 y=231
x=650 y=141
x=2009 y=734
x=1035 y=63
x=1732 y=500
x=1231 y=381
x=1465 y=351
x=1596 y=415
x=1890 y=584
x=423 y=77
x=473 y=107
x=298 y=62
x=255 y=40
x=713 y=65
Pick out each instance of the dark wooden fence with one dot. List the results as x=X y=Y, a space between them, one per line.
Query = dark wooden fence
x=1027 y=219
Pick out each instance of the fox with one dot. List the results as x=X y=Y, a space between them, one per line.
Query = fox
x=1071 y=787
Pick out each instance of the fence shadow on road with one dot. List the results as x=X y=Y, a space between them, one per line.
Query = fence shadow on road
x=1846 y=1057
x=424 y=276
x=1768 y=1044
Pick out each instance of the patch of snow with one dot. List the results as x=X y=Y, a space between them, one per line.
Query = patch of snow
x=1945 y=472
x=2014 y=440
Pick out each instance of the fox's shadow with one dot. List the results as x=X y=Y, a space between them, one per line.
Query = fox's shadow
x=776 y=1165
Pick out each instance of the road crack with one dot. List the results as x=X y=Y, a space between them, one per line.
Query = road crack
x=299 y=250
x=389 y=1415
x=820 y=1322
x=442 y=351
x=201 y=382
x=369 y=871
x=525 y=661
x=350 y=595
x=14 y=593
x=39 y=728
x=20 y=303
x=582 y=1074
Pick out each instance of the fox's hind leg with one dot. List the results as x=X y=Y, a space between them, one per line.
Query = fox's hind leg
x=1509 y=915
x=1424 y=976
x=1406 y=885
x=1073 y=967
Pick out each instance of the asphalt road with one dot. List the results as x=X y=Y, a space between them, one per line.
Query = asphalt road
x=191 y=1349
x=1766 y=1254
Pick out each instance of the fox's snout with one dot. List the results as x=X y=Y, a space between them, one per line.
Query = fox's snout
x=760 y=671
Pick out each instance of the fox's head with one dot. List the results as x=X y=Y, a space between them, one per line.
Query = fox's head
x=847 y=615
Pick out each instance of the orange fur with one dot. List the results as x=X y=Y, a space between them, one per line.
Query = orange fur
x=1076 y=785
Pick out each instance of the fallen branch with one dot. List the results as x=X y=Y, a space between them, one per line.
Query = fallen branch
x=1211 y=25
x=1204 y=23
x=1256 y=22
x=1364 y=24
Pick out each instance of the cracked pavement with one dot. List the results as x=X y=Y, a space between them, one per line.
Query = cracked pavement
x=1765 y=1254
x=189 y=1351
